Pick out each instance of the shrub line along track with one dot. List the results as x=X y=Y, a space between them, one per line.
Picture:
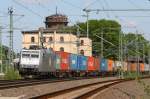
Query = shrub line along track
x=7 y=84
x=85 y=95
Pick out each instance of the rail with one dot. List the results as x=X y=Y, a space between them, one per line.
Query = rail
x=6 y=84
x=84 y=91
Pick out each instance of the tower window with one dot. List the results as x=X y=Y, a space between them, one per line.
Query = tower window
x=82 y=42
x=32 y=39
x=61 y=49
x=61 y=39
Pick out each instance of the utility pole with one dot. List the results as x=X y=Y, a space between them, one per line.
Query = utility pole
x=11 y=55
x=102 y=44
x=78 y=40
x=137 y=55
x=121 y=54
x=41 y=37
x=143 y=53
x=1 y=50
x=149 y=56
x=87 y=23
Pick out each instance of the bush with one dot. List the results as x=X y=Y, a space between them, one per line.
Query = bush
x=12 y=74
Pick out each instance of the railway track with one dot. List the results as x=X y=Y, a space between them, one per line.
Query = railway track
x=76 y=92
x=6 y=84
x=85 y=91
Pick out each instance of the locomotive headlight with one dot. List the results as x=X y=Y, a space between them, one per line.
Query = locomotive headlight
x=35 y=66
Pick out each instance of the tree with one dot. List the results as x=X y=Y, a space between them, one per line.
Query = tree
x=110 y=29
x=136 y=44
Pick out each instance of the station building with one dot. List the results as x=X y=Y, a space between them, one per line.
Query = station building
x=58 y=36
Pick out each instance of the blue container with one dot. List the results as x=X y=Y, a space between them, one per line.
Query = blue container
x=57 y=62
x=73 y=62
x=103 y=65
x=82 y=63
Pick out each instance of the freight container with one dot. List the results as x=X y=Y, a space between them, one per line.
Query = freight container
x=82 y=63
x=73 y=62
x=64 y=60
x=125 y=66
x=147 y=67
x=57 y=62
x=133 y=67
x=110 y=65
x=97 y=64
x=118 y=64
x=142 y=67
x=103 y=65
x=90 y=64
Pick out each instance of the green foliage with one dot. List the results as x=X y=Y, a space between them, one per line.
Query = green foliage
x=111 y=31
x=131 y=40
x=4 y=50
x=133 y=75
x=12 y=74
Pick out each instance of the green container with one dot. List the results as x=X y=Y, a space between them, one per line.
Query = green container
x=57 y=62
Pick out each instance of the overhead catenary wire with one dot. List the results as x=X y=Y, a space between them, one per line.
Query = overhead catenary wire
x=132 y=3
x=16 y=20
x=119 y=10
x=136 y=16
x=43 y=6
x=30 y=10
x=71 y=4
x=91 y=3
x=107 y=6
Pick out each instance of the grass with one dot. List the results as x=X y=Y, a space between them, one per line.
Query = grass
x=132 y=75
x=10 y=73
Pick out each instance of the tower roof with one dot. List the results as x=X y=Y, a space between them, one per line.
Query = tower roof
x=56 y=20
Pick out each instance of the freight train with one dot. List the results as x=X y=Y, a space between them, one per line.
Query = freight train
x=59 y=64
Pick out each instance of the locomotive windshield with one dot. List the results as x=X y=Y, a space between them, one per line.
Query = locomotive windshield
x=30 y=54
x=25 y=55
x=34 y=56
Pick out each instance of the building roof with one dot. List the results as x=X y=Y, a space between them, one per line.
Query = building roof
x=64 y=30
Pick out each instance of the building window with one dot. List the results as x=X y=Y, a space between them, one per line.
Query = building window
x=32 y=39
x=44 y=39
x=50 y=39
x=61 y=39
x=82 y=42
x=82 y=52
x=62 y=49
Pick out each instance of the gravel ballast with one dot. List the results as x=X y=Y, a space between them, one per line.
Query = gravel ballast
x=38 y=90
x=127 y=90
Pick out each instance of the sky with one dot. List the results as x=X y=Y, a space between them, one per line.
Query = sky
x=30 y=15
